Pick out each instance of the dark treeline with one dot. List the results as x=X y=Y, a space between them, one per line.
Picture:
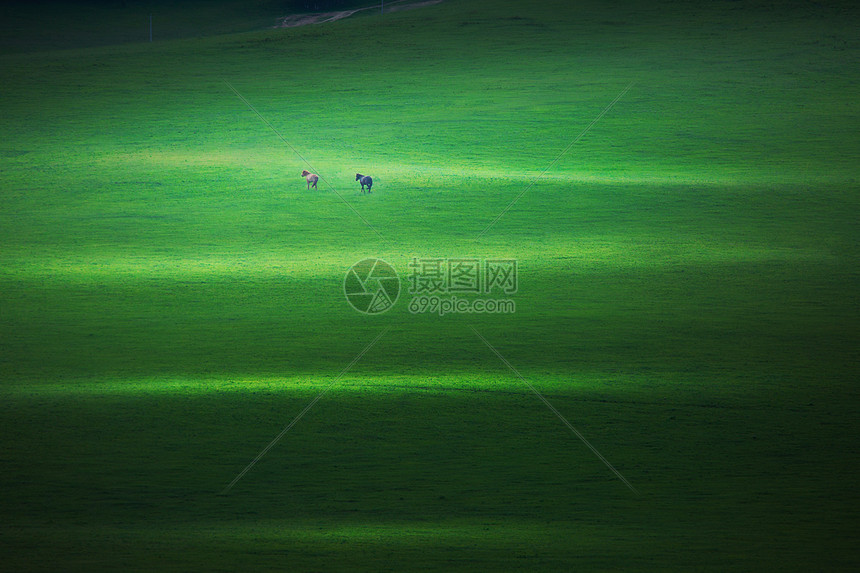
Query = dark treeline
x=34 y=25
x=322 y=5
x=279 y=5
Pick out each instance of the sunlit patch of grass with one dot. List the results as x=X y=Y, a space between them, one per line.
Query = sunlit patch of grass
x=550 y=254
x=488 y=534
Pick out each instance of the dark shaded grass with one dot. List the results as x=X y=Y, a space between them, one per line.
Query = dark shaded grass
x=375 y=474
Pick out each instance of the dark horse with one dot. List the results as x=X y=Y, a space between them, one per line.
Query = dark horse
x=364 y=180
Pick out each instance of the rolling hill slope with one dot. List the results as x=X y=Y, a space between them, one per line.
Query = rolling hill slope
x=677 y=185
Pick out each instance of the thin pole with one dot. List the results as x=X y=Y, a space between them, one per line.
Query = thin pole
x=150 y=27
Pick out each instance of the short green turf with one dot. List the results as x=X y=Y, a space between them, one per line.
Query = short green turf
x=678 y=186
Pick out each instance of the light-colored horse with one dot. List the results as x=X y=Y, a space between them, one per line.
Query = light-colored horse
x=310 y=178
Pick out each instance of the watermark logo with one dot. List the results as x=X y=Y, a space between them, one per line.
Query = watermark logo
x=371 y=286
x=449 y=276
x=443 y=285
x=437 y=285
x=453 y=304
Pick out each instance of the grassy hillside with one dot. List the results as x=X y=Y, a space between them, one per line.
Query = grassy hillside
x=171 y=295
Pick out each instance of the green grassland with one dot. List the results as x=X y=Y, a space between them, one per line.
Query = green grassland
x=171 y=295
